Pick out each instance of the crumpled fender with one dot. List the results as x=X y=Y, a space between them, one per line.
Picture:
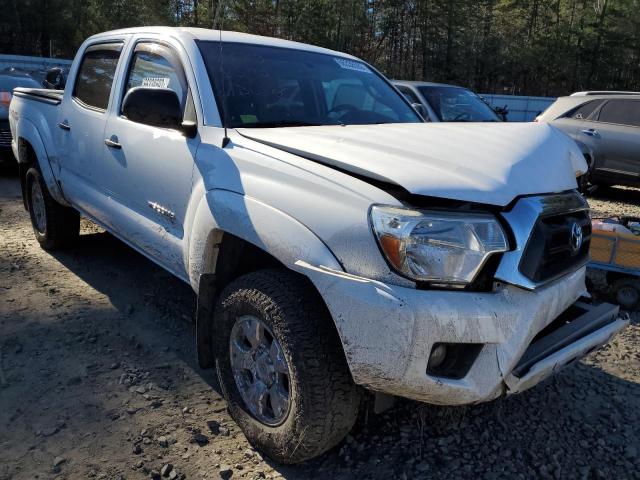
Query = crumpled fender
x=268 y=228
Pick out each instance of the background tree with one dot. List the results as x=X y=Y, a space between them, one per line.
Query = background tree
x=535 y=47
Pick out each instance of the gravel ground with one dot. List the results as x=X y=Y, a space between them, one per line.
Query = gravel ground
x=98 y=379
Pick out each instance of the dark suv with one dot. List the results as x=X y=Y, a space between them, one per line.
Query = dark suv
x=606 y=125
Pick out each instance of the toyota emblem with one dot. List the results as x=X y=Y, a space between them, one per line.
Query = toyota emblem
x=576 y=238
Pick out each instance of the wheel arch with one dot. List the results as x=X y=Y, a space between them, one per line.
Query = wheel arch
x=587 y=152
x=225 y=216
x=234 y=235
x=32 y=151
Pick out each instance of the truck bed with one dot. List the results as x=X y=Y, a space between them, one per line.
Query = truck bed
x=44 y=95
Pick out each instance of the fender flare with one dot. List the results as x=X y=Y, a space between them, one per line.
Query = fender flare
x=27 y=131
x=268 y=228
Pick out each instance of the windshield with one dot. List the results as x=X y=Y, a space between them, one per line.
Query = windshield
x=456 y=104
x=272 y=87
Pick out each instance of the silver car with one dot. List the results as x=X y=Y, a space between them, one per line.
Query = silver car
x=606 y=125
x=439 y=102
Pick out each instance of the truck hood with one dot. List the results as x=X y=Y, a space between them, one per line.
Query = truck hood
x=490 y=163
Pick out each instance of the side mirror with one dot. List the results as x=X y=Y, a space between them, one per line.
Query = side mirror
x=54 y=79
x=157 y=107
x=418 y=107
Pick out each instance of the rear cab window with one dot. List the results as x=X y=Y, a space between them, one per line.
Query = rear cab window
x=95 y=76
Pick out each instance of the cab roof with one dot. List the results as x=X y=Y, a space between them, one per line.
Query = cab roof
x=204 y=34
x=419 y=83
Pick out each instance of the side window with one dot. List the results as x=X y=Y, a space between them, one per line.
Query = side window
x=621 y=112
x=95 y=76
x=584 y=111
x=155 y=65
x=409 y=95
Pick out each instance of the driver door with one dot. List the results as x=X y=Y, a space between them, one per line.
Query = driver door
x=148 y=170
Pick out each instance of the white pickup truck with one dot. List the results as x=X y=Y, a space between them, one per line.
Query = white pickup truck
x=337 y=243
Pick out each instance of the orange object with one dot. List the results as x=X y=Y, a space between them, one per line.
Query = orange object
x=618 y=249
x=5 y=98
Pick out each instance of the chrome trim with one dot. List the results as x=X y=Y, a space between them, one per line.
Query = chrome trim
x=522 y=219
x=156 y=207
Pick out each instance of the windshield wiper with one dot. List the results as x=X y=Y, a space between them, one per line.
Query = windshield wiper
x=280 y=123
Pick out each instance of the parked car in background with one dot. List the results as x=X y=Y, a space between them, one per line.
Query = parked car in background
x=8 y=81
x=606 y=126
x=447 y=103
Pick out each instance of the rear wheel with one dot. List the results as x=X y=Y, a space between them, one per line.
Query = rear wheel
x=281 y=366
x=54 y=225
x=626 y=292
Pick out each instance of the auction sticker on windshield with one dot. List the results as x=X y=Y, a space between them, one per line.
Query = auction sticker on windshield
x=352 y=65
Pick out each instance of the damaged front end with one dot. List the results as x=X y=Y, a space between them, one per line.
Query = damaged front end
x=580 y=329
x=459 y=347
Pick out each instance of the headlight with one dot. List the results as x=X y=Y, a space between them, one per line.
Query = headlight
x=437 y=247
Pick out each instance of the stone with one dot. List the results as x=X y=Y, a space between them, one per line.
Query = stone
x=226 y=471
x=166 y=470
x=199 y=438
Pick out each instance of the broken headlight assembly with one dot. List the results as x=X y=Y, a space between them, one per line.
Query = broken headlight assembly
x=437 y=247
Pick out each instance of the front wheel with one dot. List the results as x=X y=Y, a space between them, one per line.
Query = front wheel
x=281 y=366
x=54 y=225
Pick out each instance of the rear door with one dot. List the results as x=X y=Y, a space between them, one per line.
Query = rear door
x=80 y=129
x=617 y=138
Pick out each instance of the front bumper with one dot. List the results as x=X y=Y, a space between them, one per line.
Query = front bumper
x=388 y=333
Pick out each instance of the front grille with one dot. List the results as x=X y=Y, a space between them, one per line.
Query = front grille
x=549 y=252
x=5 y=134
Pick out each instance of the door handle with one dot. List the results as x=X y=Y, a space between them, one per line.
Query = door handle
x=111 y=144
x=64 y=126
x=590 y=132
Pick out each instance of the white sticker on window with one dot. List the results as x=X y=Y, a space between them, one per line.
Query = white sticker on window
x=156 y=82
x=352 y=65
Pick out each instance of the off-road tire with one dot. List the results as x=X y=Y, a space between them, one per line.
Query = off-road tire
x=62 y=223
x=622 y=298
x=324 y=400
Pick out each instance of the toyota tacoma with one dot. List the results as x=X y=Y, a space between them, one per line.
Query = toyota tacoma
x=337 y=243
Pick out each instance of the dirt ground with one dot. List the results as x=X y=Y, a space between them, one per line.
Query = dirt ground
x=98 y=379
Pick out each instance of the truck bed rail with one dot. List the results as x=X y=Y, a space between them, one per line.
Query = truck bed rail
x=52 y=97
